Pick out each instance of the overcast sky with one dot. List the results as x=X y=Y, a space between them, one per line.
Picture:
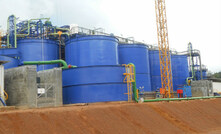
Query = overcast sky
x=196 y=21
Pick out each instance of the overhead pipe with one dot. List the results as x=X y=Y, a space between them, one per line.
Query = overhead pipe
x=58 y=34
x=64 y=29
x=65 y=66
x=23 y=35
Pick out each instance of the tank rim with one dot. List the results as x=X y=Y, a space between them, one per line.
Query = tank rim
x=133 y=45
x=91 y=37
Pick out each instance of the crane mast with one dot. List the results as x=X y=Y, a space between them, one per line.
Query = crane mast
x=164 y=51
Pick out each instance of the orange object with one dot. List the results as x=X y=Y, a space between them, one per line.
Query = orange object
x=59 y=33
x=162 y=91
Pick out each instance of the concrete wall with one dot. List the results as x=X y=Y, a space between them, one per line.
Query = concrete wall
x=202 y=88
x=217 y=86
x=22 y=87
x=20 y=84
x=51 y=80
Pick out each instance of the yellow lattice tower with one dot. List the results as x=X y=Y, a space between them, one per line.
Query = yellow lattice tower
x=164 y=51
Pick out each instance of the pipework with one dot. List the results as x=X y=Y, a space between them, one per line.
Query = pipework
x=65 y=66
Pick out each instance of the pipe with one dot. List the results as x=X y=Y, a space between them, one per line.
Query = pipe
x=21 y=35
x=201 y=74
x=65 y=66
x=134 y=84
x=15 y=32
x=179 y=99
x=65 y=29
x=2 y=102
x=164 y=99
x=58 y=34
x=192 y=68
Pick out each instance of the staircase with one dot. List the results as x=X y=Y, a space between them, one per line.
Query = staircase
x=129 y=79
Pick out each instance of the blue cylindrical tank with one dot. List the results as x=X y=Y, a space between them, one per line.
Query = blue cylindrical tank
x=179 y=65
x=137 y=54
x=94 y=84
x=91 y=50
x=198 y=74
x=204 y=73
x=12 y=62
x=155 y=69
x=180 y=71
x=38 y=50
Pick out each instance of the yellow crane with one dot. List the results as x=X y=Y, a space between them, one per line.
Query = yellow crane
x=164 y=51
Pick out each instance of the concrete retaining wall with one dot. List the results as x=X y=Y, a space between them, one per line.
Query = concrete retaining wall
x=20 y=84
x=53 y=79
x=22 y=87
x=202 y=88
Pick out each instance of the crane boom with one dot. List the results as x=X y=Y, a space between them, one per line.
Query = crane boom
x=164 y=51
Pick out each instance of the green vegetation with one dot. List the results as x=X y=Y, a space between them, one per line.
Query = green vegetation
x=217 y=75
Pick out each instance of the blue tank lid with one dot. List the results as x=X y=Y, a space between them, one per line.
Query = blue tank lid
x=91 y=37
x=134 y=45
x=48 y=41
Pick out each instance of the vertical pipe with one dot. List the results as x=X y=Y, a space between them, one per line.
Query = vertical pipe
x=15 y=32
x=201 y=74
x=8 y=33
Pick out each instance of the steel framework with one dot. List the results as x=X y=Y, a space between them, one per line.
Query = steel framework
x=164 y=51
x=129 y=79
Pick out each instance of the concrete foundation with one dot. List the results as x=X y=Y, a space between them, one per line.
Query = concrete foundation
x=202 y=88
x=22 y=85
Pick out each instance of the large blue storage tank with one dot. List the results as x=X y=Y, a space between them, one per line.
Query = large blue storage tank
x=12 y=62
x=155 y=69
x=38 y=50
x=137 y=54
x=94 y=84
x=91 y=50
x=180 y=70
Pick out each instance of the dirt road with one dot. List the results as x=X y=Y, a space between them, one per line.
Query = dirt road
x=196 y=116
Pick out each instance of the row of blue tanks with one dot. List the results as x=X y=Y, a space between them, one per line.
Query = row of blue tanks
x=99 y=73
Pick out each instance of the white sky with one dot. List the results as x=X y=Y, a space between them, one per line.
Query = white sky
x=196 y=21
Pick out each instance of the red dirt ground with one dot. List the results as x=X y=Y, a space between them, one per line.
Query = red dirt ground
x=197 y=116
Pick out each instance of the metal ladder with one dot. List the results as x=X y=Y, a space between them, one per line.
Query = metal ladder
x=129 y=79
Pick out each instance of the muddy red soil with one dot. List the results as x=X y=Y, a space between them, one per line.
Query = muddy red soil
x=196 y=116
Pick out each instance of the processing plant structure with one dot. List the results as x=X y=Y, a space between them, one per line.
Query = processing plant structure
x=94 y=66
